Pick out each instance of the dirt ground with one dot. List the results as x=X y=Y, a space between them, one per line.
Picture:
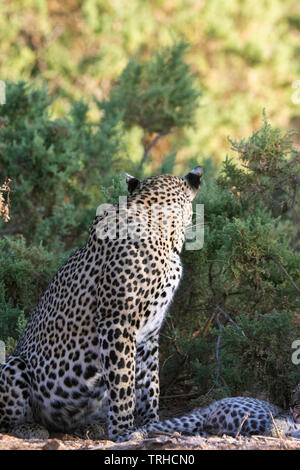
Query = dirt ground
x=159 y=442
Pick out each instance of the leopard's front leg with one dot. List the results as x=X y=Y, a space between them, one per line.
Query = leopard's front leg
x=147 y=381
x=117 y=354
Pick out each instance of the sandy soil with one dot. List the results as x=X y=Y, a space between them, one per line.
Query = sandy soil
x=158 y=442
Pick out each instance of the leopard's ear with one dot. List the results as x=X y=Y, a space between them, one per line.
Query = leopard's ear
x=194 y=178
x=132 y=183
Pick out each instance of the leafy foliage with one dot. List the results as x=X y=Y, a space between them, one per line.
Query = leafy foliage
x=157 y=94
x=81 y=47
x=249 y=268
x=24 y=275
x=260 y=359
x=46 y=159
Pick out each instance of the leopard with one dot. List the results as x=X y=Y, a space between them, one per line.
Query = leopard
x=89 y=351
x=235 y=416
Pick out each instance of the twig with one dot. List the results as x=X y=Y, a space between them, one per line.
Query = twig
x=210 y=278
x=159 y=433
x=206 y=326
x=286 y=273
x=228 y=318
x=165 y=361
x=279 y=435
x=184 y=357
x=174 y=341
x=183 y=395
x=241 y=425
x=219 y=376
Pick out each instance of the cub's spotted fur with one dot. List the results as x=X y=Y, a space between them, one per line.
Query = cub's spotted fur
x=242 y=415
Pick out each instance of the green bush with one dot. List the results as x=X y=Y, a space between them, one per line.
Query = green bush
x=248 y=268
x=24 y=273
x=158 y=96
x=46 y=159
x=257 y=356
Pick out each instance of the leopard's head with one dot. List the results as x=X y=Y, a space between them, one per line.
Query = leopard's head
x=164 y=203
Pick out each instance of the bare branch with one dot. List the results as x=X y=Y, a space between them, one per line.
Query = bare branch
x=241 y=425
x=285 y=273
x=182 y=395
x=149 y=148
x=228 y=318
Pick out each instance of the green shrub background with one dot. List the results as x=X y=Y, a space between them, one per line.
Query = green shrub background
x=96 y=88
